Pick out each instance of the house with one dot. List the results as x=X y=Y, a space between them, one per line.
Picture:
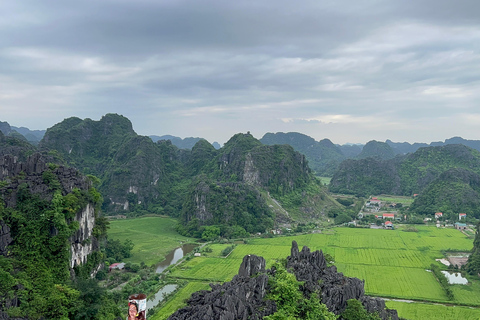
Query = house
x=462 y=216
x=388 y=216
x=460 y=226
x=388 y=225
x=438 y=215
x=117 y=266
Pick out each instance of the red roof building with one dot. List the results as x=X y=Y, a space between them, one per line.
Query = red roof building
x=388 y=215
x=438 y=214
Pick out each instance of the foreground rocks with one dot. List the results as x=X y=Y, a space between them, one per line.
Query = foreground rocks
x=244 y=296
x=336 y=289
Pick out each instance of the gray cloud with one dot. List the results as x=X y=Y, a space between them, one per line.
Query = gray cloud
x=350 y=71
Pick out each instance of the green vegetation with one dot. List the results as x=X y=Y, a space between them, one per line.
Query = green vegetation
x=291 y=302
x=356 y=311
x=323 y=156
x=37 y=271
x=393 y=263
x=454 y=191
x=378 y=150
x=152 y=237
x=403 y=175
x=178 y=300
x=473 y=265
x=443 y=281
x=421 y=311
x=227 y=188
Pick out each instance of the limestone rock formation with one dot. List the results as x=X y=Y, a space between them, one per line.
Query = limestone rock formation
x=30 y=173
x=336 y=289
x=5 y=238
x=242 y=298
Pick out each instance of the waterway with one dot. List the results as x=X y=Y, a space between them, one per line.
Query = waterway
x=455 y=277
x=152 y=302
x=174 y=256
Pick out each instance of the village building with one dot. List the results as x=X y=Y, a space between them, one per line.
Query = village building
x=388 y=216
x=462 y=216
x=460 y=226
x=388 y=225
x=438 y=215
x=116 y=266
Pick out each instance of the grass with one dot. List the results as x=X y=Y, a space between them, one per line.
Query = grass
x=406 y=201
x=153 y=237
x=325 y=180
x=393 y=264
x=421 y=311
x=179 y=299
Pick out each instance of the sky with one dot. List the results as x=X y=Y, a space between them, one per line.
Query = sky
x=350 y=71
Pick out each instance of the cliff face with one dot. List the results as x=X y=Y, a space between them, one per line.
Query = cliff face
x=31 y=174
x=245 y=296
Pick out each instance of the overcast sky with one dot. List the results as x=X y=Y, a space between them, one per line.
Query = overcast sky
x=351 y=71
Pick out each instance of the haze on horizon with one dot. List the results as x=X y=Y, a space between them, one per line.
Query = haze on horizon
x=349 y=71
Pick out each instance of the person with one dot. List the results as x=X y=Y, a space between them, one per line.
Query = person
x=132 y=311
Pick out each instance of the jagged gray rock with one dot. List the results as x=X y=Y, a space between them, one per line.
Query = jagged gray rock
x=30 y=172
x=5 y=238
x=335 y=288
x=242 y=298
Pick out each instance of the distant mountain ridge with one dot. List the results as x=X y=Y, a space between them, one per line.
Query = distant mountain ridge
x=180 y=143
x=325 y=157
x=32 y=136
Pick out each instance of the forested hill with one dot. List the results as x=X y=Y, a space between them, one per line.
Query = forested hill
x=180 y=143
x=232 y=186
x=403 y=175
x=323 y=156
x=454 y=191
x=50 y=230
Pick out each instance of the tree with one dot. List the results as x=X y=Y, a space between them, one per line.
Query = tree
x=342 y=218
x=356 y=311
x=211 y=233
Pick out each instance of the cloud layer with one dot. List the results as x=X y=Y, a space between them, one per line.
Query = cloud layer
x=350 y=71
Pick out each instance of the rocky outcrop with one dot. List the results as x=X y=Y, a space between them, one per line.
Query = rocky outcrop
x=5 y=238
x=30 y=173
x=242 y=298
x=336 y=289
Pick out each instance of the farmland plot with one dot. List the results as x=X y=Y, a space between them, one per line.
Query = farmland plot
x=208 y=269
x=393 y=263
x=421 y=311
x=179 y=299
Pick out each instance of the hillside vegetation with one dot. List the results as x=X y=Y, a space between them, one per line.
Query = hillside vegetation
x=403 y=175
x=230 y=187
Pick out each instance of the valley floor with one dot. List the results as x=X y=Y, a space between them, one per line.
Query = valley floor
x=393 y=263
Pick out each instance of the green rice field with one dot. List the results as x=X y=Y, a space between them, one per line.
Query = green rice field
x=393 y=264
x=153 y=237
x=178 y=300
x=424 y=311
